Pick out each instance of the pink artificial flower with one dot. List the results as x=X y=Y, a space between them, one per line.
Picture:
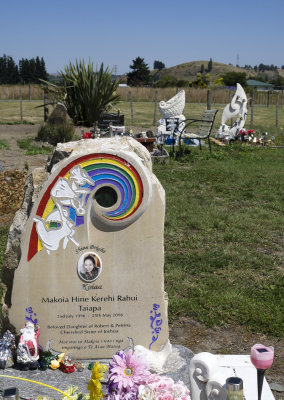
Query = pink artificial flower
x=163 y=388
x=127 y=371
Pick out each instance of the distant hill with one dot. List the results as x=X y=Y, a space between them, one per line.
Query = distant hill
x=188 y=71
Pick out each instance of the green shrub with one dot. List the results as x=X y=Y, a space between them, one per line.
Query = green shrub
x=89 y=93
x=4 y=144
x=54 y=134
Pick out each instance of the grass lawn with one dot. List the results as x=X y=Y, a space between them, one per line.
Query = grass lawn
x=224 y=237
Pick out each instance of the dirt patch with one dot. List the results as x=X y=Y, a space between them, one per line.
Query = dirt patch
x=14 y=157
x=184 y=331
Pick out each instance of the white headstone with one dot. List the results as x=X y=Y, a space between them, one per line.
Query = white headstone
x=92 y=254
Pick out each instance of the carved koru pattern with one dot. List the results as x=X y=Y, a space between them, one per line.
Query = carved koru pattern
x=63 y=206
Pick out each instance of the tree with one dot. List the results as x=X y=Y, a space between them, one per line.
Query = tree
x=279 y=81
x=31 y=71
x=9 y=73
x=232 y=78
x=159 y=65
x=202 y=69
x=210 y=65
x=201 y=80
x=140 y=74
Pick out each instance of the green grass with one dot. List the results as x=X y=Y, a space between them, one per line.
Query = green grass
x=31 y=148
x=4 y=144
x=10 y=112
x=223 y=243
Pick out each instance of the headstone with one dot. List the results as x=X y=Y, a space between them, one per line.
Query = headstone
x=114 y=119
x=92 y=255
x=236 y=107
x=58 y=115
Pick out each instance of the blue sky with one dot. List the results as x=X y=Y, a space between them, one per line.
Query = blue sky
x=116 y=32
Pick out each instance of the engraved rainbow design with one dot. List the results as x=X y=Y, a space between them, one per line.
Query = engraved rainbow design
x=103 y=169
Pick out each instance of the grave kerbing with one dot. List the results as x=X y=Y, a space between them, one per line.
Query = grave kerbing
x=101 y=205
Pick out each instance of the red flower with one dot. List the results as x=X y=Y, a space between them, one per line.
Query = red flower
x=242 y=132
x=87 y=135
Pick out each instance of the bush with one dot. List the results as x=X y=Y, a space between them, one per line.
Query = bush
x=54 y=134
x=88 y=93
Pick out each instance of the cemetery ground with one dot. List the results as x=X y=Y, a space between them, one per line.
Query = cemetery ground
x=223 y=238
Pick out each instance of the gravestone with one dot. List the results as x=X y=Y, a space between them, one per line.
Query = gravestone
x=92 y=256
x=114 y=119
x=58 y=115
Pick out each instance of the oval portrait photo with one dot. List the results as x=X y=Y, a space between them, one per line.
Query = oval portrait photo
x=89 y=267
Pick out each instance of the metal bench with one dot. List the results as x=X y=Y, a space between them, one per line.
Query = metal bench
x=204 y=130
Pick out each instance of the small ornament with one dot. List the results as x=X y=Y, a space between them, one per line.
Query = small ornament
x=7 y=350
x=67 y=364
x=79 y=366
x=28 y=348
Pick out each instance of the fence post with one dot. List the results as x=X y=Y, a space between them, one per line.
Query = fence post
x=277 y=108
x=21 y=106
x=131 y=108
x=208 y=99
x=268 y=98
x=251 y=108
x=155 y=107
x=45 y=109
x=30 y=97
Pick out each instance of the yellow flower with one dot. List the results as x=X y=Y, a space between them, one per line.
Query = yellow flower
x=98 y=371
x=95 y=386
x=60 y=356
x=54 y=364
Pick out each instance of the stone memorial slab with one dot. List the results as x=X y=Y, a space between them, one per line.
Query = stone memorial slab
x=92 y=256
x=106 y=119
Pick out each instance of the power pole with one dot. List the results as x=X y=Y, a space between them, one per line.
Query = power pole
x=238 y=61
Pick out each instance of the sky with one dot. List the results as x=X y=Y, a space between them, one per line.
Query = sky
x=116 y=32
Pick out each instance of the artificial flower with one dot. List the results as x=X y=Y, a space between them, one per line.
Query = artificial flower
x=127 y=371
x=87 y=135
x=95 y=386
x=55 y=364
x=163 y=388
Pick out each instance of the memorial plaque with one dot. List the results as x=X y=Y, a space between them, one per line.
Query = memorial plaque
x=92 y=258
x=114 y=119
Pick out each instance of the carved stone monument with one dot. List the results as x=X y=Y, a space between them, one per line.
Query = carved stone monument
x=236 y=107
x=92 y=256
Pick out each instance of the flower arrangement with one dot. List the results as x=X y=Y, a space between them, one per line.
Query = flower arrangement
x=162 y=387
x=87 y=135
x=244 y=134
x=130 y=379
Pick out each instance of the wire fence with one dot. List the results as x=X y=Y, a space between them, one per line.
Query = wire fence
x=192 y=95
x=20 y=96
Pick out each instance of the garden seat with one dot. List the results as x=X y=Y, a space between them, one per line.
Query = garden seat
x=204 y=130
